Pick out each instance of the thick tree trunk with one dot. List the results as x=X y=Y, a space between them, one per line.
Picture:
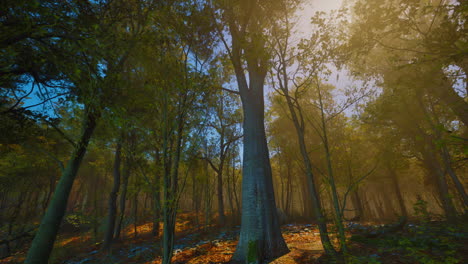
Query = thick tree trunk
x=43 y=242
x=260 y=235
x=112 y=209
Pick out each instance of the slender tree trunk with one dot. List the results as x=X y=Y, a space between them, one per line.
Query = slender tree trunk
x=112 y=209
x=157 y=195
x=287 y=208
x=229 y=193
x=357 y=204
x=135 y=214
x=43 y=242
x=156 y=213
x=334 y=192
x=123 y=198
x=432 y=165
x=453 y=176
x=234 y=190
x=222 y=217
x=396 y=188
x=307 y=202
x=316 y=203
x=49 y=193
x=207 y=196
x=170 y=193
x=355 y=196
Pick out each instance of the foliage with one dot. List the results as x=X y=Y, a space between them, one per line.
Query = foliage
x=429 y=243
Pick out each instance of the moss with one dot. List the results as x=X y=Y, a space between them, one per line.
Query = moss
x=252 y=253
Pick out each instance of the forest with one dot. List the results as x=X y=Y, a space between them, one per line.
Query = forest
x=233 y=131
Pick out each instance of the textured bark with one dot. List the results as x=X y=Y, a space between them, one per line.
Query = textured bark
x=112 y=209
x=43 y=242
x=260 y=236
x=170 y=191
x=123 y=198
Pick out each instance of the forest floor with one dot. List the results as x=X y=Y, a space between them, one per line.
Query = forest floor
x=424 y=243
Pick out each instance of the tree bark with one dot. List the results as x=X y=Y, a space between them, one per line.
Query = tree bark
x=219 y=174
x=260 y=236
x=316 y=204
x=112 y=209
x=44 y=239
x=123 y=198
x=157 y=195
x=453 y=175
x=170 y=191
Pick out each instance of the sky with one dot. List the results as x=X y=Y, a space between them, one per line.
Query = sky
x=323 y=5
x=339 y=79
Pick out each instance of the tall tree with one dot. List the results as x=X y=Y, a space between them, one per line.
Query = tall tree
x=248 y=23
x=92 y=87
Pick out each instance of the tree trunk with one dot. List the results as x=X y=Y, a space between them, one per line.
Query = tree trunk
x=260 y=235
x=287 y=208
x=433 y=168
x=219 y=174
x=171 y=174
x=156 y=213
x=334 y=192
x=396 y=188
x=453 y=175
x=135 y=214
x=316 y=204
x=123 y=198
x=43 y=242
x=234 y=190
x=157 y=195
x=357 y=203
x=112 y=210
